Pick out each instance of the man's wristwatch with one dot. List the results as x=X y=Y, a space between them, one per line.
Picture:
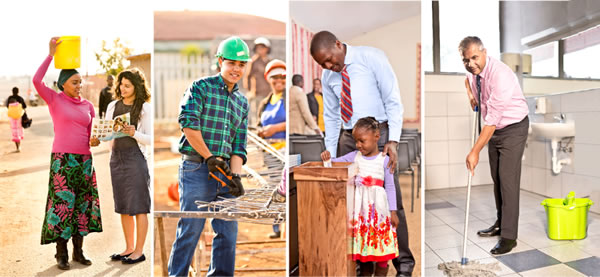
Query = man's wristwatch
x=235 y=175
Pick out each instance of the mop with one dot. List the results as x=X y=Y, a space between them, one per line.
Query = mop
x=468 y=268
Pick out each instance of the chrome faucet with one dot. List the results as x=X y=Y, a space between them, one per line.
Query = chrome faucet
x=560 y=118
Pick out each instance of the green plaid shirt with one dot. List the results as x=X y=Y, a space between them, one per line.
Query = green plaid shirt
x=221 y=116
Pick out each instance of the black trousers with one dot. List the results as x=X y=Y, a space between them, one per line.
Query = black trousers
x=405 y=262
x=505 y=150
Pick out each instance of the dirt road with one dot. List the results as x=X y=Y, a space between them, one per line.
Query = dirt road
x=24 y=182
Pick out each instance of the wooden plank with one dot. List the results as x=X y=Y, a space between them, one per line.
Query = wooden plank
x=163 y=249
x=323 y=233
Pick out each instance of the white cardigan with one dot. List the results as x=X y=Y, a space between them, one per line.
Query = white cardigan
x=143 y=132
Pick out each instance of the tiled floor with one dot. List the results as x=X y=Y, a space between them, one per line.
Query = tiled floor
x=535 y=254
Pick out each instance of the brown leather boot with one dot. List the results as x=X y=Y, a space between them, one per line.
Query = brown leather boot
x=62 y=254
x=381 y=271
x=78 y=252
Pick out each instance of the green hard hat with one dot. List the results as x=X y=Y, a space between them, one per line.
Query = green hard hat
x=234 y=48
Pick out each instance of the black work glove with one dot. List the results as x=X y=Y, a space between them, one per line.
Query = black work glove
x=215 y=163
x=235 y=186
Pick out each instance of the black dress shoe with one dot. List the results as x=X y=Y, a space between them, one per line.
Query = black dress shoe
x=504 y=246
x=489 y=232
x=131 y=261
x=117 y=257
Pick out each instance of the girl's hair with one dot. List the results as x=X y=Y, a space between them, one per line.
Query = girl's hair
x=369 y=123
x=142 y=94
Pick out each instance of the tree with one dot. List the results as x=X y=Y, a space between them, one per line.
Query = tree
x=112 y=59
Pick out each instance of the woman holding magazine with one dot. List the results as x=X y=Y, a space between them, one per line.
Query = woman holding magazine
x=128 y=166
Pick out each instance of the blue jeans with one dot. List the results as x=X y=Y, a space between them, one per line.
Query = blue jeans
x=194 y=184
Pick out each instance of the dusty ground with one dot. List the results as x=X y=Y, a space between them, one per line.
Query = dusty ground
x=414 y=223
x=23 y=182
x=246 y=257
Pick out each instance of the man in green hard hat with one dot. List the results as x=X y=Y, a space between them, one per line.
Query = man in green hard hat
x=214 y=118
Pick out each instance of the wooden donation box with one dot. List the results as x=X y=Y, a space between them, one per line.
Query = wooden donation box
x=325 y=203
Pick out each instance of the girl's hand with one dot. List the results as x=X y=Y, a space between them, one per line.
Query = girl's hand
x=128 y=129
x=94 y=141
x=395 y=220
x=325 y=156
x=53 y=43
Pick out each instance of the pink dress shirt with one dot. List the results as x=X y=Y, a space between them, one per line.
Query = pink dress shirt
x=502 y=100
x=72 y=117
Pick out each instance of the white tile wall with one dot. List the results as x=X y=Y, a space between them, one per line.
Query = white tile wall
x=448 y=130
x=436 y=104
x=458 y=150
x=437 y=152
x=587 y=159
x=458 y=104
x=583 y=175
x=436 y=128
x=459 y=128
x=586 y=101
x=447 y=134
x=437 y=177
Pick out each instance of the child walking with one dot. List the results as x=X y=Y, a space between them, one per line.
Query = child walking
x=374 y=219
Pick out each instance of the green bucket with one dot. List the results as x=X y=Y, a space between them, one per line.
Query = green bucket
x=567 y=217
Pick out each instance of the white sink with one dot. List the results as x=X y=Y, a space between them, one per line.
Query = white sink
x=554 y=130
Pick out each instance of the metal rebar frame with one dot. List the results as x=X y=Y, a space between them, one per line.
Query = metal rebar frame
x=256 y=205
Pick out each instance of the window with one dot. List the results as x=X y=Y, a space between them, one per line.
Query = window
x=427 y=37
x=461 y=19
x=544 y=59
x=582 y=53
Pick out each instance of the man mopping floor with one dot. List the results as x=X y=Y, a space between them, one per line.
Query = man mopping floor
x=503 y=110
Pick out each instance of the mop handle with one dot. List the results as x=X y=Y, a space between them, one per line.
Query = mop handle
x=464 y=259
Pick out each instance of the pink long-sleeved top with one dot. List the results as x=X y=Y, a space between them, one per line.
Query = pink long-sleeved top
x=502 y=100
x=72 y=117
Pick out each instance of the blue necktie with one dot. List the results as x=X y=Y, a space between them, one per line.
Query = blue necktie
x=479 y=101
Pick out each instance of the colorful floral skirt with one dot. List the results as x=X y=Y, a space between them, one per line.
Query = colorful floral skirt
x=373 y=236
x=73 y=206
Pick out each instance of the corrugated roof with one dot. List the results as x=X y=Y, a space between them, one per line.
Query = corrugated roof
x=206 y=25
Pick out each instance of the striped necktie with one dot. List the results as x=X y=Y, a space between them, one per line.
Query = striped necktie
x=479 y=101
x=346 y=101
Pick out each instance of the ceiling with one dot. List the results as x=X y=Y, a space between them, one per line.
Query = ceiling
x=348 y=19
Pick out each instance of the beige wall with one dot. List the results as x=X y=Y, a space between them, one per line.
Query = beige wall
x=399 y=42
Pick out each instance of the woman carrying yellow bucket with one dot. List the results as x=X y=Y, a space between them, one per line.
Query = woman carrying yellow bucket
x=73 y=205
x=16 y=108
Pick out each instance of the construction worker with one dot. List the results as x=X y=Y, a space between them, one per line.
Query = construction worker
x=214 y=119
x=254 y=80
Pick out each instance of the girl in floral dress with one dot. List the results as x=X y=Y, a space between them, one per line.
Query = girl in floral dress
x=374 y=219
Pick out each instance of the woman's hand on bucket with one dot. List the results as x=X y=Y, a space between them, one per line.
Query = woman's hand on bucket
x=53 y=43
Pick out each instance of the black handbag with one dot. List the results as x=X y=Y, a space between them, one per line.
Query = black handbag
x=26 y=121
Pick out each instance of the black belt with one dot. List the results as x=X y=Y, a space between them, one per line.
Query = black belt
x=382 y=125
x=193 y=158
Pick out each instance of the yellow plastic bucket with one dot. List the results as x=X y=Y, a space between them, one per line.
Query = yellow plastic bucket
x=567 y=217
x=68 y=53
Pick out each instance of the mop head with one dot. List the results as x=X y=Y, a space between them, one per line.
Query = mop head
x=471 y=269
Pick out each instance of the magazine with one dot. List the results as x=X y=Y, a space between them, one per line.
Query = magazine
x=107 y=129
